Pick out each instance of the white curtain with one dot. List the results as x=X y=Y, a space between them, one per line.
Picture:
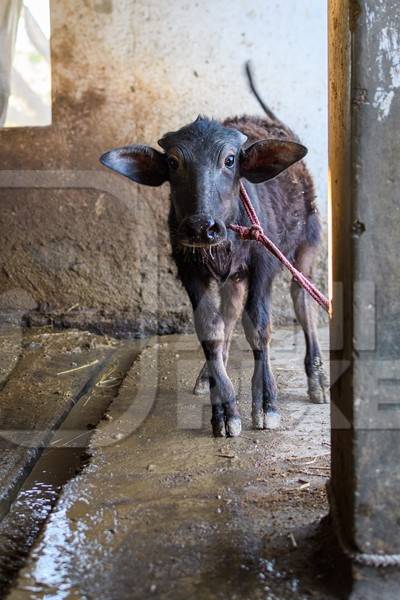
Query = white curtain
x=9 y=16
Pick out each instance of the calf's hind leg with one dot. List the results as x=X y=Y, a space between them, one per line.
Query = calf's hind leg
x=305 y=310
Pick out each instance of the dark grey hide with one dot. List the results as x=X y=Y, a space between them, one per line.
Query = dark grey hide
x=203 y=163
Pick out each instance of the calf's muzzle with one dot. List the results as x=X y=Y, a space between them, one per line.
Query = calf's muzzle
x=201 y=230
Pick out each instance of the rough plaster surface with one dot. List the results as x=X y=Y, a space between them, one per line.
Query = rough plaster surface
x=127 y=71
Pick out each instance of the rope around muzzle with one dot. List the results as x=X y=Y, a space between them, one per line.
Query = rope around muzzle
x=256 y=232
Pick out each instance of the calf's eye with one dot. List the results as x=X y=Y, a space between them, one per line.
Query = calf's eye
x=173 y=162
x=230 y=161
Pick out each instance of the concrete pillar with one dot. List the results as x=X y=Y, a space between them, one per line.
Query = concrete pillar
x=365 y=181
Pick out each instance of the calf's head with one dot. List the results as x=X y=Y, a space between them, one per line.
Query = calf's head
x=203 y=163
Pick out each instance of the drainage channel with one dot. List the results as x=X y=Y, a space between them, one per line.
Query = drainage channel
x=65 y=455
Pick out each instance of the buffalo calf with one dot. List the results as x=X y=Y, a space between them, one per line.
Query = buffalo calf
x=204 y=163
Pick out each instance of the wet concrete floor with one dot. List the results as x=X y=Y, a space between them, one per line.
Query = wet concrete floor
x=80 y=374
x=42 y=375
x=164 y=510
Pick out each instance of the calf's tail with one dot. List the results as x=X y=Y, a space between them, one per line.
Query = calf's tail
x=271 y=116
x=250 y=77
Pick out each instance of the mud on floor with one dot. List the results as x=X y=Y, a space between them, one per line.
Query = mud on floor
x=164 y=510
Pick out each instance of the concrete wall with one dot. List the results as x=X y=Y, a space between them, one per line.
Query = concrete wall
x=72 y=235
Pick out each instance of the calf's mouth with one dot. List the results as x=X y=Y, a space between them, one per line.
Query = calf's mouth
x=189 y=244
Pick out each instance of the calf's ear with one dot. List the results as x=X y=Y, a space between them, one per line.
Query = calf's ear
x=265 y=159
x=142 y=164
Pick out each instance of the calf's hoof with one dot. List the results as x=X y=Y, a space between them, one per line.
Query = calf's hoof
x=218 y=428
x=258 y=419
x=272 y=419
x=201 y=387
x=230 y=426
x=233 y=427
x=318 y=386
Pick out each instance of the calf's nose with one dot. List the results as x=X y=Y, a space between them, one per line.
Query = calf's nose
x=202 y=229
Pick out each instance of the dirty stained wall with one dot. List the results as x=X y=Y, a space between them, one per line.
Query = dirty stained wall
x=74 y=239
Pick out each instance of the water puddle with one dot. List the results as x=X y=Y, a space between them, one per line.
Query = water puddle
x=60 y=461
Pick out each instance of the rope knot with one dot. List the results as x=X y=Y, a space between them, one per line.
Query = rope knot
x=255 y=232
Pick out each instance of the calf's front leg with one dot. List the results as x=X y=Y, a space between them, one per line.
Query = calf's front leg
x=232 y=297
x=210 y=329
x=257 y=327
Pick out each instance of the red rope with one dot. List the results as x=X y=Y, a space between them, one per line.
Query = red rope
x=256 y=232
